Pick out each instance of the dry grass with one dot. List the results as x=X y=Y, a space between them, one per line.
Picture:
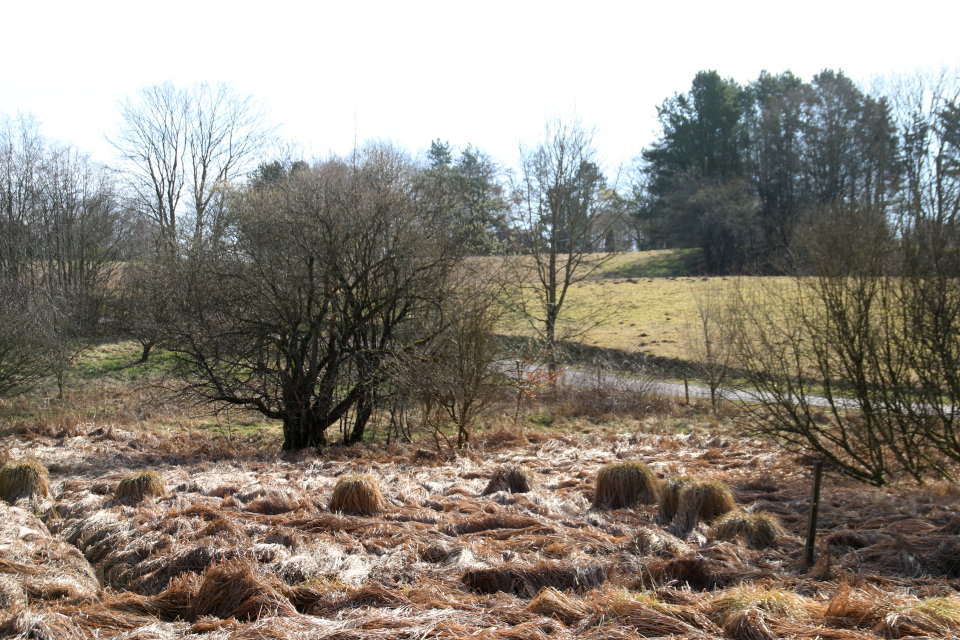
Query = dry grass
x=528 y=581
x=357 y=494
x=670 y=497
x=703 y=500
x=758 y=529
x=137 y=486
x=510 y=478
x=23 y=479
x=237 y=589
x=556 y=604
x=625 y=484
x=244 y=545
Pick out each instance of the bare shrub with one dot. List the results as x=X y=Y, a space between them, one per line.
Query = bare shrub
x=624 y=484
x=23 y=479
x=357 y=494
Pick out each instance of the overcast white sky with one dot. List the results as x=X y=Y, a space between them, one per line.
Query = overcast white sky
x=488 y=73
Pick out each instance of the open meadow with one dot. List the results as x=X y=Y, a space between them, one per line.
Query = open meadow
x=164 y=521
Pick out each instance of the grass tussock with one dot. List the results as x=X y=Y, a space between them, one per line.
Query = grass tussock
x=782 y=603
x=556 y=604
x=625 y=484
x=670 y=497
x=510 y=478
x=653 y=541
x=357 y=494
x=893 y=614
x=759 y=530
x=137 y=486
x=23 y=479
x=703 y=501
x=237 y=589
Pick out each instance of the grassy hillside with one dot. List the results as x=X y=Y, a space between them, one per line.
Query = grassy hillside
x=638 y=302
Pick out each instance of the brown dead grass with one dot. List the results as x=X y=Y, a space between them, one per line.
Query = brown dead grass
x=142 y=484
x=625 y=484
x=23 y=479
x=244 y=545
x=357 y=494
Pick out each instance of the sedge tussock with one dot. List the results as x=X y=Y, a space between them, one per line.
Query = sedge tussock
x=510 y=478
x=529 y=581
x=357 y=494
x=137 y=486
x=624 y=484
x=646 y=620
x=703 y=501
x=749 y=624
x=759 y=529
x=237 y=588
x=893 y=614
x=670 y=497
x=23 y=479
x=653 y=541
x=556 y=604
x=775 y=601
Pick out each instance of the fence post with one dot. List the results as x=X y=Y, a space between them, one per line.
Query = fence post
x=814 y=512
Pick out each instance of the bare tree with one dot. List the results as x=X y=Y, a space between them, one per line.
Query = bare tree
x=182 y=146
x=564 y=210
x=62 y=233
x=710 y=338
x=323 y=277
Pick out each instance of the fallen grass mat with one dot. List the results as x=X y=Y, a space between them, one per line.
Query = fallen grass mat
x=529 y=581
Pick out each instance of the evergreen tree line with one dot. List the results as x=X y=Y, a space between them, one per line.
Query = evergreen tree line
x=737 y=169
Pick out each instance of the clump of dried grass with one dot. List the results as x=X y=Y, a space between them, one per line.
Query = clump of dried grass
x=670 y=497
x=782 y=603
x=759 y=529
x=624 y=484
x=511 y=478
x=556 y=604
x=235 y=588
x=23 y=479
x=357 y=494
x=653 y=541
x=893 y=614
x=703 y=500
x=137 y=486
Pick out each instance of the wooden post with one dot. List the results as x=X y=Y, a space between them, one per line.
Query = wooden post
x=814 y=512
x=686 y=388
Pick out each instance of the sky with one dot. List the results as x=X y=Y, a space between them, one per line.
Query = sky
x=485 y=73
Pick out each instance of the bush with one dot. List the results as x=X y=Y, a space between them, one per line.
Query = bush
x=624 y=484
x=357 y=494
x=23 y=479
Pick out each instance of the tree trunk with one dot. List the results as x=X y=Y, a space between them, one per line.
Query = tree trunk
x=304 y=430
